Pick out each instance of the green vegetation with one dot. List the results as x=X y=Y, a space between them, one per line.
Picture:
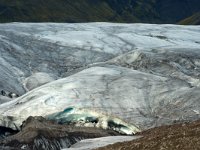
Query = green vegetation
x=130 y=11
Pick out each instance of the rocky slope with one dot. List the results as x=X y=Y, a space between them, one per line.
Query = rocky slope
x=180 y=136
x=192 y=20
x=38 y=133
x=151 y=11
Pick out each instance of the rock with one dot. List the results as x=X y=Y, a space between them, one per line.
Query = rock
x=3 y=93
x=13 y=95
x=6 y=96
x=5 y=132
x=39 y=133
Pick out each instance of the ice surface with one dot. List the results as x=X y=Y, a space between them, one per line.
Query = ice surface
x=90 y=144
x=89 y=118
x=29 y=48
x=146 y=75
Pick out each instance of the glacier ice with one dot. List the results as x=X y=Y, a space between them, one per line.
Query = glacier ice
x=138 y=98
x=144 y=75
x=89 y=118
x=89 y=144
x=29 y=48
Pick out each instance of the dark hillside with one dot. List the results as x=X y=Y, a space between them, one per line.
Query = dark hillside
x=143 y=11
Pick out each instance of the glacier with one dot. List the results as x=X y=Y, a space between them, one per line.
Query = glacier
x=57 y=49
x=138 y=76
x=87 y=118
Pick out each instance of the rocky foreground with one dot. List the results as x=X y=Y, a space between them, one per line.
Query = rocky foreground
x=180 y=136
x=38 y=133
x=124 y=78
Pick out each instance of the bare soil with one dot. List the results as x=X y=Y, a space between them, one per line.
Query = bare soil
x=184 y=136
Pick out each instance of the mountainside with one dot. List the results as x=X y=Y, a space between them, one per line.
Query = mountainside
x=192 y=20
x=151 y=11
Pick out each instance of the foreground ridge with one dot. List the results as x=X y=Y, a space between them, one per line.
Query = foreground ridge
x=179 y=136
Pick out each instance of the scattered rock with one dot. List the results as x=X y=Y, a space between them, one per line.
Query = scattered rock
x=9 y=94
